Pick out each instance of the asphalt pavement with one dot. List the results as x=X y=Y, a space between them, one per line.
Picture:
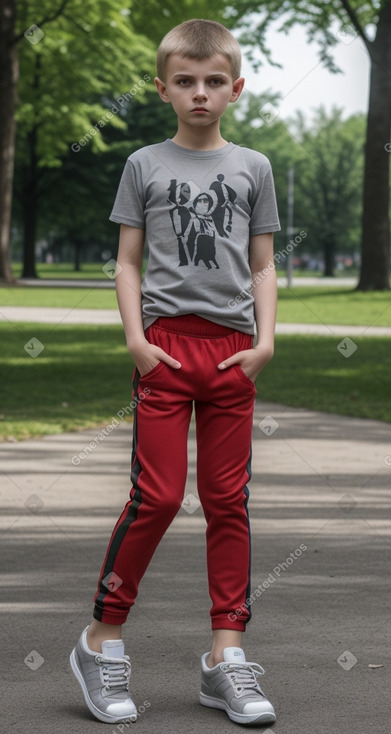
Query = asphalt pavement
x=320 y=511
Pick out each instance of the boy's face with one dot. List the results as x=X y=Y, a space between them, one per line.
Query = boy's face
x=199 y=90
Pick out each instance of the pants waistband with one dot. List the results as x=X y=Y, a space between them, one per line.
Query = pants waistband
x=192 y=325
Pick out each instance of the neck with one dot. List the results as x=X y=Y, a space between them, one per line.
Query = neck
x=199 y=138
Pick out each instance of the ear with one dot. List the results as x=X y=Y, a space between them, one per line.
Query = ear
x=237 y=89
x=162 y=89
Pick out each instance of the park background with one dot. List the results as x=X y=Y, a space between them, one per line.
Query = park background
x=320 y=469
x=81 y=98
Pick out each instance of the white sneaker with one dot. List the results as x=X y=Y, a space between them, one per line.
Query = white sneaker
x=233 y=687
x=104 y=679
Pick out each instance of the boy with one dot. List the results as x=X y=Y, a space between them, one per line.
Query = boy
x=207 y=209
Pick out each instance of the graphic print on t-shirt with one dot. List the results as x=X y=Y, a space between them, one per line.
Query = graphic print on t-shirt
x=196 y=221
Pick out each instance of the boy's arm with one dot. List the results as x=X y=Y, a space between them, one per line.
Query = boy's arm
x=264 y=280
x=128 y=287
x=264 y=283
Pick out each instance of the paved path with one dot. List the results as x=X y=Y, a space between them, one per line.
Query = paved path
x=112 y=316
x=321 y=528
x=109 y=283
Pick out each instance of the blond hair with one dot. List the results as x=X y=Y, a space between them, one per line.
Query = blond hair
x=199 y=39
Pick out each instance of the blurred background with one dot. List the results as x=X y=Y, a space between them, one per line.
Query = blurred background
x=77 y=98
x=78 y=83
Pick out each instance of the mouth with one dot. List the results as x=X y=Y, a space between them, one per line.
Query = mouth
x=199 y=109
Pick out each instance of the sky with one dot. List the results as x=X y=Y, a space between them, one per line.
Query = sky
x=304 y=82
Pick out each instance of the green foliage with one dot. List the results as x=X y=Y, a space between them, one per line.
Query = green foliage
x=243 y=125
x=325 y=22
x=327 y=154
x=329 y=175
x=81 y=110
x=93 y=53
x=79 y=196
x=88 y=52
x=155 y=19
x=329 y=24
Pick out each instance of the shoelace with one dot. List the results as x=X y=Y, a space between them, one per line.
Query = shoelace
x=243 y=676
x=115 y=672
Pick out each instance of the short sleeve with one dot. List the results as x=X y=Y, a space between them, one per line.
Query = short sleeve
x=129 y=202
x=264 y=216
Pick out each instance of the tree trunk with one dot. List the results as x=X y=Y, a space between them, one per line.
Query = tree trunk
x=9 y=72
x=29 y=208
x=375 y=222
x=329 y=254
x=30 y=190
x=29 y=230
x=77 y=246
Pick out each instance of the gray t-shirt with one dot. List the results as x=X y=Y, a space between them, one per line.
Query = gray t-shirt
x=198 y=209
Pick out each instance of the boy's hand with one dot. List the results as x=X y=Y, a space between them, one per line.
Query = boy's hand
x=146 y=356
x=252 y=361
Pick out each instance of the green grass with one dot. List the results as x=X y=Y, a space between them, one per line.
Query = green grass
x=310 y=372
x=82 y=378
x=58 y=297
x=321 y=304
x=308 y=305
x=94 y=270
x=298 y=273
x=64 y=270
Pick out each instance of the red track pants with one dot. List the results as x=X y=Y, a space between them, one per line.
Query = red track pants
x=224 y=403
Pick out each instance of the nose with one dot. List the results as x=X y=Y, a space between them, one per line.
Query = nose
x=200 y=91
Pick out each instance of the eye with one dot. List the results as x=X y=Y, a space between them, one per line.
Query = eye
x=183 y=82
x=216 y=82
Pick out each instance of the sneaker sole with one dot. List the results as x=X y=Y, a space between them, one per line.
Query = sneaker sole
x=217 y=703
x=106 y=718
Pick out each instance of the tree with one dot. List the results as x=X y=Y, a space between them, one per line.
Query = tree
x=77 y=198
x=327 y=155
x=90 y=51
x=328 y=23
x=8 y=87
x=327 y=175
x=160 y=17
x=9 y=78
x=242 y=124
